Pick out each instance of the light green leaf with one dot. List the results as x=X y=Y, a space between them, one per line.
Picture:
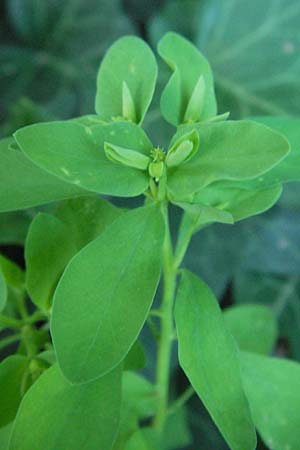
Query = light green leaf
x=5 y=436
x=273 y=389
x=103 y=298
x=75 y=153
x=23 y=184
x=13 y=274
x=126 y=80
x=201 y=215
x=240 y=203
x=289 y=168
x=77 y=222
x=143 y=439
x=238 y=150
x=254 y=327
x=12 y=371
x=209 y=357
x=3 y=291
x=184 y=89
x=178 y=421
x=60 y=415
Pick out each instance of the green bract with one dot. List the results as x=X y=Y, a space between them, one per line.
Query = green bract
x=93 y=269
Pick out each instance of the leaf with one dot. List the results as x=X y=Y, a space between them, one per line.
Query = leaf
x=48 y=249
x=135 y=358
x=12 y=371
x=182 y=91
x=288 y=169
x=208 y=356
x=143 y=439
x=128 y=71
x=177 y=421
x=77 y=222
x=201 y=215
x=75 y=153
x=254 y=327
x=240 y=203
x=24 y=185
x=238 y=150
x=104 y=296
x=64 y=416
x=5 y=436
x=273 y=389
x=13 y=227
x=3 y=292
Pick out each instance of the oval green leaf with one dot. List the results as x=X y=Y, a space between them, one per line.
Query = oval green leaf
x=272 y=386
x=60 y=415
x=191 y=84
x=3 y=291
x=126 y=80
x=103 y=298
x=209 y=357
x=254 y=327
x=75 y=153
x=238 y=150
x=23 y=184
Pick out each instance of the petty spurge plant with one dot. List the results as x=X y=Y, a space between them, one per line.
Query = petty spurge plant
x=93 y=269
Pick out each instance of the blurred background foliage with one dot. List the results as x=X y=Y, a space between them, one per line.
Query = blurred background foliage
x=49 y=55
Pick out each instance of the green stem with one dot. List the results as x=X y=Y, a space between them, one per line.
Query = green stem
x=167 y=331
x=5 y=342
x=10 y=322
x=180 y=401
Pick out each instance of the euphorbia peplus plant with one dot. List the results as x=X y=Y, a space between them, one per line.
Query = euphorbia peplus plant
x=92 y=269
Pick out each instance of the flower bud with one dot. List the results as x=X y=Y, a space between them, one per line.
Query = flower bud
x=183 y=149
x=125 y=156
x=128 y=108
x=156 y=169
x=196 y=103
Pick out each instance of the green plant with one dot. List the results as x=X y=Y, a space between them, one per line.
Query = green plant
x=92 y=269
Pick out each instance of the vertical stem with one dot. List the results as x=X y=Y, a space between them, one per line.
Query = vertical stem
x=167 y=330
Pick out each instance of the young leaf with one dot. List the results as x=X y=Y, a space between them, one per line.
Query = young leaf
x=3 y=291
x=75 y=153
x=183 y=149
x=238 y=150
x=12 y=371
x=126 y=80
x=117 y=276
x=126 y=156
x=23 y=184
x=254 y=327
x=272 y=386
x=77 y=222
x=209 y=357
x=240 y=203
x=189 y=94
x=60 y=415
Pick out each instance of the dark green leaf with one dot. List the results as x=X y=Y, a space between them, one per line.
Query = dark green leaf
x=254 y=327
x=12 y=372
x=135 y=358
x=75 y=153
x=117 y=276
x=60 y=415
x=186 y=89
x=209 y=357
x=126 y=80
x=3 y=291
x=273 y=389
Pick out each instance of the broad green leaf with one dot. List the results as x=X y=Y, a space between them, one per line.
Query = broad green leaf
x=143 y=439
x=60 y=415
x=3 y=291
x=272 y=386
x=191 y=84
x=77 y=222
x=23 y=184
x=5 y=436
x=240 y=203
x=254 y=327
x=209 y=357
x=135 y=358
x=289 y=168
x=126 y=80
x=48 y=249
x=12 y=371
x=75 y=153
x=103 y=298
x=238 y=150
